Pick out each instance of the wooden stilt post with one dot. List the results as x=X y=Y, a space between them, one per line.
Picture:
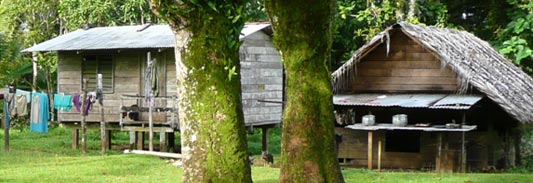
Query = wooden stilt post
x=171 y=143
x=463 y=148
x=151 y=133
x=133 y=138
x=83 y=123
x=439 y=153
x=379 y=155
x=75 y=138
x=264 y=140
x=163 y=141
x=100 y=93
x=109 y=136
x=370 y=138
x=140 y=140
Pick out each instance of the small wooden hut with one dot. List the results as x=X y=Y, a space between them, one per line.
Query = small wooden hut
x=464 y=102
x=120 y=53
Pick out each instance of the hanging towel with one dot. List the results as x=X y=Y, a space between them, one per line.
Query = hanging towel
x=40 y=114
x=62 y=102
x=20 y=105
x=27 y=93
x=35 y=108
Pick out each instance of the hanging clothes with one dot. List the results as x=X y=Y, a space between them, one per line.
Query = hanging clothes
x=62 y=102
x=27 y=93
x=39 y=113
x=20 y=107
x=89 y=100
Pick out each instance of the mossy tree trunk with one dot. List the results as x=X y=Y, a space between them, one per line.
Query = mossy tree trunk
x=302 y=32
x=213 y=135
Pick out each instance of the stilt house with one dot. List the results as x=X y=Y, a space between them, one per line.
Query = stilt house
x=463 y=100
x=121 y=53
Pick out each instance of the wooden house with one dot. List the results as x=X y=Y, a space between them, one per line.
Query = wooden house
x=121 y=53
x=464 y=102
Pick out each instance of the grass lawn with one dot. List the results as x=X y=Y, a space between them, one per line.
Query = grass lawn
x=49 y=158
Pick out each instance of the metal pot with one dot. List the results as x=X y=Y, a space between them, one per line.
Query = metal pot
x=399 y=120
x=369 y=120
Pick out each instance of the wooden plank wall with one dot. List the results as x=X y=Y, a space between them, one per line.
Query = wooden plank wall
x=127 y=74
x=407 y=68
x=354 y=149
x=261 y=79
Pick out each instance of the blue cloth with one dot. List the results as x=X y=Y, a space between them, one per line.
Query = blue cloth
x=62 y=102
x=40 y=124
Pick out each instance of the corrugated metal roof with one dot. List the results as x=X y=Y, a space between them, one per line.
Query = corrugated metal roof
x=431 y=101
x=120 y=37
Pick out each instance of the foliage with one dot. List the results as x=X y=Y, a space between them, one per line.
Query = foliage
x=516 y=39
x=358 y=21
x=255 y=10
x=75 y=13
x=255 y=141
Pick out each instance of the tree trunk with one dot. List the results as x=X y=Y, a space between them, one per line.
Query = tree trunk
x=302 y=32
x=213 y=135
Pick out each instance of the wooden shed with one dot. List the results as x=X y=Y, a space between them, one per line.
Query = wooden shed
x=120 y=53
x=463 y=100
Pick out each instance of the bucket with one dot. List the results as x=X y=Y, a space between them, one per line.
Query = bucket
x=399 y=120
x=369 y=120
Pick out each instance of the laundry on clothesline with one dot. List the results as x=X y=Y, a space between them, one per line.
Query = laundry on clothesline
x=39 y=112
x=62 y=102
x=89 y=100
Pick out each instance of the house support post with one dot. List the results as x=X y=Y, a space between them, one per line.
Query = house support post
x=370 y=138
x=171 y=142
x=133 y=138
x=109 y=136
x=151 y=128
x=140 y=140
x=264 y=140
x=439 y=153
x=463 y=148
x=379 y=154
x=163 y=141
x=75 y=138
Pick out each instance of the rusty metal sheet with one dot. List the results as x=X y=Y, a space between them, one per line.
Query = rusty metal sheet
x=431 y=101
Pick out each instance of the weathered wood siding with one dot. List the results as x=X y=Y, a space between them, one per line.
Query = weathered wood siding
x=261 y=79
x=128 y=76
x=407 y=67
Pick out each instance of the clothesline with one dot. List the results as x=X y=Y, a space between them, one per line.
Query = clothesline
x=39 y=108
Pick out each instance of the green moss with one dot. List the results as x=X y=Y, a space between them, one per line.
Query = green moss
x=212 y=91
x=303 y=34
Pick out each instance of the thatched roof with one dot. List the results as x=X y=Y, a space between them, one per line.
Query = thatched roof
x=474 y=61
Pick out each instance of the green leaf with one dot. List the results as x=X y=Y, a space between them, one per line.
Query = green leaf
x=523 y=53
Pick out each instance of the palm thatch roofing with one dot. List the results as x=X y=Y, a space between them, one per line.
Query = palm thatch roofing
x=474 y=61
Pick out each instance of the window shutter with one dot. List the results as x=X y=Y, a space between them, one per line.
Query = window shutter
x=93 y=65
